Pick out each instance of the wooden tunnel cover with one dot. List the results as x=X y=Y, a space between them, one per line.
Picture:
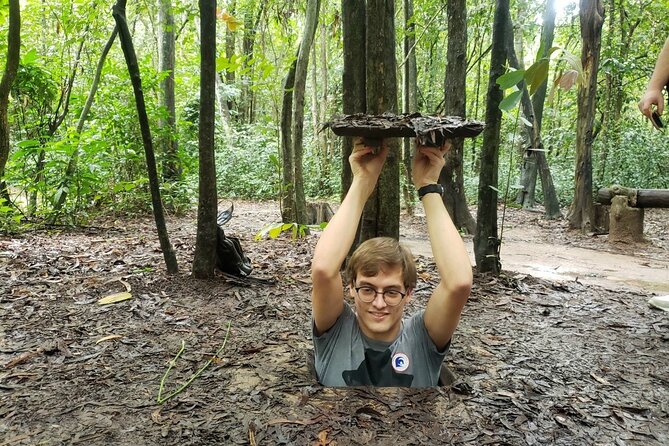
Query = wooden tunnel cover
x=428 y=130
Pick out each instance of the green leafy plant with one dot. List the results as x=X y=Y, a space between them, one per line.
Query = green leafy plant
x=297 y=230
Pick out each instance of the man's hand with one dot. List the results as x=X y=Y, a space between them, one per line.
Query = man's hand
x=427 y=164
x=366 y=163
x=650 y=101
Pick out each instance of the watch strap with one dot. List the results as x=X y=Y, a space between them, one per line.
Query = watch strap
x=431 y=189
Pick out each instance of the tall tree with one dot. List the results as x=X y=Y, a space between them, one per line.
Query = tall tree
x=452 y=175
x=410 y=103
x=133 y=69
x=287 y=195
x=301 y=68
x=252 y=18
x=591 y=18
x=64 y=188
x=292 y=122
x=535 y=145
x=381 y=216
x=486 y=240
x=8 y=76
x=230 y=42
x=171 y=164
x=530 y=164
x=54 y=122
x=204 y=261
x=354 y=98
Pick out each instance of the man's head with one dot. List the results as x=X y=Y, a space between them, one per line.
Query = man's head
x=381 y=265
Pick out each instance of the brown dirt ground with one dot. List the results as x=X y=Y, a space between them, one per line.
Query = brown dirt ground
x=537 y=361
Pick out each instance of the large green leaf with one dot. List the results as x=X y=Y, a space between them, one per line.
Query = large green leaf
x=509 y=102
x=536 y=74
x=510 y=79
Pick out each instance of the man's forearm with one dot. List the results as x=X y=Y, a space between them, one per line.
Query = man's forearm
x=450 y=254
x=660 y=76
x=337 y=238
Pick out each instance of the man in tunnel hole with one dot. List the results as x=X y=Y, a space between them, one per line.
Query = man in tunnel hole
x=373 y=345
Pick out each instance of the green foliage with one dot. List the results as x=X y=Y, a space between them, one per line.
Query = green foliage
x=639 y=160
x=274 y=230
x=246 y=163
x=9 y=218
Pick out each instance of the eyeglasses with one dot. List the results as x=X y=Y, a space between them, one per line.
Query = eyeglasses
x=367 y=294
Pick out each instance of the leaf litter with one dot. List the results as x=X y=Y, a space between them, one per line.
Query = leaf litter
x=536 y=362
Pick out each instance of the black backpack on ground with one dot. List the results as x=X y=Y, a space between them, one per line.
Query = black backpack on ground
x=230 y=257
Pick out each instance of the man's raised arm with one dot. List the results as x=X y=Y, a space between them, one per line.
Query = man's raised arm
x=660 y=78
x=443 y=310
x=327 y=296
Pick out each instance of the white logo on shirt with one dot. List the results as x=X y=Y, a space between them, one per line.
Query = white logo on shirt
x=400 y=362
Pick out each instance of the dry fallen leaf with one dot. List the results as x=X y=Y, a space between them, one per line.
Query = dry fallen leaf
x=114 y=298
x=108 y=338
x=600 y=379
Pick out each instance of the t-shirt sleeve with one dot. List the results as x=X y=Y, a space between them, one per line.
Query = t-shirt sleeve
x=324 y=345
x=423 y=340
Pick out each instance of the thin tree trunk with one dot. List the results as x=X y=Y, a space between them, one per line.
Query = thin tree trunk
x=582 y=209
x=410 y=100
x=8 y=76
x=530 y=165
x=64 y=188
x=325 y=100
x=171 y=165
x=354 y=98
x=133 y=69
x=287 y=197
x=536 y=147
x=381 y=216
x=230 y=41
x=54 y=123
x=301 y=67
x=204 y=262
x=486 y=240
x=251 y=23
x=452 y=176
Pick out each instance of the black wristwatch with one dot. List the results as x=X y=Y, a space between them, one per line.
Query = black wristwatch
x=430 y=189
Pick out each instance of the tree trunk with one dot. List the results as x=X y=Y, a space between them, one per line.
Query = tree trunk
x=204 y=261
x=486 y=241
x=528 y=169
x=54 y=123
x=230 y=42
x=301 y=68
x=591 y=17
x=171 y=164
x=354 y=99
x=64 y=187
x=410 y=101
x=11 y=67
x=381 y=216
x=287 y=197
x=452 y=176
x=251 y=23
x=536 y=147
x=133 y=69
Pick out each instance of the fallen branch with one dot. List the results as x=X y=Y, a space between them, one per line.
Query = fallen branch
x=194 y=376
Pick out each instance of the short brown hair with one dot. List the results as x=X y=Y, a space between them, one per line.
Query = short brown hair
x=379 y=253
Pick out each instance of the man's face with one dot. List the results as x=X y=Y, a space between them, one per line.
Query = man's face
x=377 y=319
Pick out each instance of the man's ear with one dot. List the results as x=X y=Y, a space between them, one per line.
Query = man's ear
x=351 y=289
x=409 y=295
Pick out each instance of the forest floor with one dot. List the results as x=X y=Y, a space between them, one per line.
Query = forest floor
x=562 y=348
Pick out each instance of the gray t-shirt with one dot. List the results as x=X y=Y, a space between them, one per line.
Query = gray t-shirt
x=344 y=356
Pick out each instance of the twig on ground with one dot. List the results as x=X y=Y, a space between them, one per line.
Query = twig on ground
x=194 y=376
